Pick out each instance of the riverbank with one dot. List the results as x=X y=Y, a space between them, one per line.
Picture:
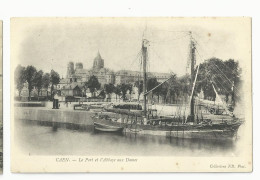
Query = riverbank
x=55 y=117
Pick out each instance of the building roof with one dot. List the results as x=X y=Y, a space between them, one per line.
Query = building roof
x=82 y=71
x=98 y=57
x=71 y=86
x=138 y=73
x=156 y=74
x=104 y=71
x=64 y=81
x=128 y=73
x=75 y=76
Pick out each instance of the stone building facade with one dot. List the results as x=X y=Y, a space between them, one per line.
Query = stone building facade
x=79 y=76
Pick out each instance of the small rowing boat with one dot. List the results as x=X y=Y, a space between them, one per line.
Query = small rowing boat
x=107 y=128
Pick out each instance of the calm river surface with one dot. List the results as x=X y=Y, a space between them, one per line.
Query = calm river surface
x=35 y=139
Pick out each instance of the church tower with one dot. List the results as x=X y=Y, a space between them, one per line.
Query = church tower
x=98 y=62
x=70 y=69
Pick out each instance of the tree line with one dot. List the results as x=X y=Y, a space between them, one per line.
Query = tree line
x=119 y=90
x=225 y=76
x=35 y=79
x=169 y=90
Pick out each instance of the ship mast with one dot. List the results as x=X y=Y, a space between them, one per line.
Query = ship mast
x=144 y=53
x=192 y=56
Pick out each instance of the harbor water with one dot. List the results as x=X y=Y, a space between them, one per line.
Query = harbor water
x=35 y=139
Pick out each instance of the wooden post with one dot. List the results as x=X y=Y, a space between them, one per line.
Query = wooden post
x=144 y=52
x=192 y=54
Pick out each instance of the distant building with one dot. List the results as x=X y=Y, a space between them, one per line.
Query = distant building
x=70 y=69
x=71 y=90
x=126 y=76
x=79 y=76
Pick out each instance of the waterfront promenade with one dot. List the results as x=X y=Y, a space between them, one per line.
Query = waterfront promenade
x=67 y=116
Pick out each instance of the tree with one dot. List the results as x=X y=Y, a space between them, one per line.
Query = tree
x=46 y=81
x=118 y=91
x=30 y=73
x=38 y=81
x=157 y=91
x=184 y=83
x=19 y=78
x=204 y=79
x=152 y=83
x=102 y=94
x=233 y=72
x=173 y=88
x=54 y=80
x=109 y=88
x=93 y=84
x=124 y=89
x=164 y=91
x=224 y=75
x=139 y=85
x=130 y=89
x=84 y=89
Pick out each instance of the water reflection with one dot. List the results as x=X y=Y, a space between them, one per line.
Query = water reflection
x=49 y=140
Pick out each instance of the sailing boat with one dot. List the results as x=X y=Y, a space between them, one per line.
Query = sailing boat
x=147 y=122
x=216 y=107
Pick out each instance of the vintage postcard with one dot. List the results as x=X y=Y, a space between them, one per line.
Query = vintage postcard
x=131 y=95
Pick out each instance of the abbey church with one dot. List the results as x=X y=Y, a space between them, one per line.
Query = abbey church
x=77 y=76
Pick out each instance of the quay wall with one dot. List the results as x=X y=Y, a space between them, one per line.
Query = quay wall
x=58 y=116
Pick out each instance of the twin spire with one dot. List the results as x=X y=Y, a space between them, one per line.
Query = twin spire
x=98 y=62
x=98 y=55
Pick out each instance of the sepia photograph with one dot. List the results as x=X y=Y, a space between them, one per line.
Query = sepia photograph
x=131 y=94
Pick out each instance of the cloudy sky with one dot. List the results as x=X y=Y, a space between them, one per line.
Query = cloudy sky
x=50 y=43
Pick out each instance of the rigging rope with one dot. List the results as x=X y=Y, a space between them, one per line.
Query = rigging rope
x=166 y=62
x=221 y=72
x=225 y=88
x=218 y=67
x=232 y=85
x=223 y=78
x=207 y=53
x=136 y=57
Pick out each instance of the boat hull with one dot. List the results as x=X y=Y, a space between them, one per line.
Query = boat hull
x=190 y=134
x=107 y=128
x=220 y=131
